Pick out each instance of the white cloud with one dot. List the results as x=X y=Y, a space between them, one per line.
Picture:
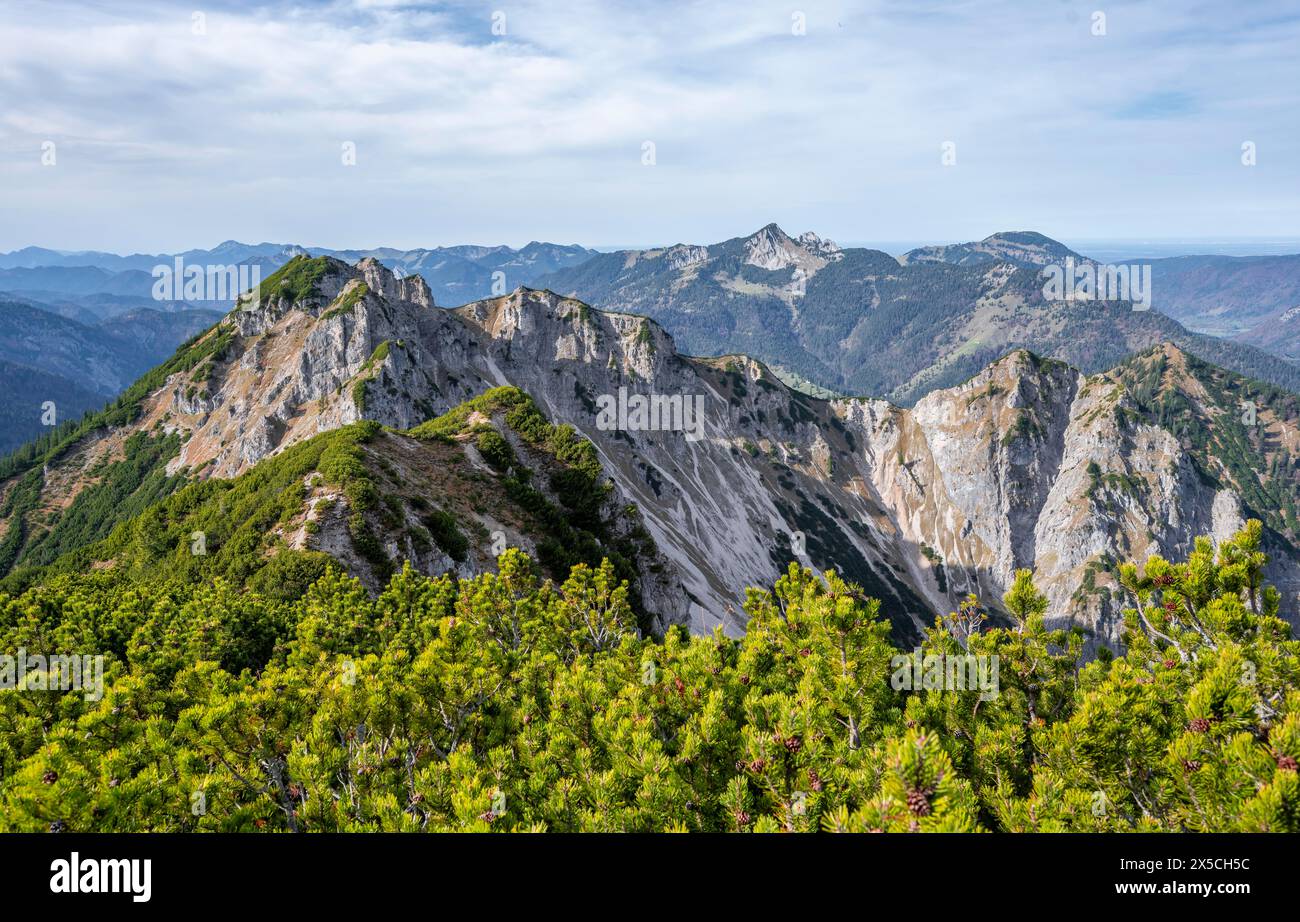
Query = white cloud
x=169 y=139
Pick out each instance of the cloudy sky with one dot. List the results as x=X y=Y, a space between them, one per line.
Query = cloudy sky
x=171 y=129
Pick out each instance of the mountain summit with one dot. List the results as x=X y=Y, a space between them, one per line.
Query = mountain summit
x=1021 y=248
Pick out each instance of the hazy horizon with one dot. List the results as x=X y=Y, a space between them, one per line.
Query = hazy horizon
x=1116 y=248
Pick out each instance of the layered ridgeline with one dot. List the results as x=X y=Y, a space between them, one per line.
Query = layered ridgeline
x=54 y=367
x=530 y=420
x=106 y=283
x=859 y=321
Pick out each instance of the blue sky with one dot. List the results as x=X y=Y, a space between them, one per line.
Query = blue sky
x=166 y=139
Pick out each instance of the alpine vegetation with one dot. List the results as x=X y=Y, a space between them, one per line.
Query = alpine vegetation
x=53 y=672
x=512 y=702
x=950 y=672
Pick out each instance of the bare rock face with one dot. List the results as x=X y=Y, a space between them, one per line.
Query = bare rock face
x=771 y=248
x=1032 y=465
x=684 y=256
x=828 y=249
x=1028 y=464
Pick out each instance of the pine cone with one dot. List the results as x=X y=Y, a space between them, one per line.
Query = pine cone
x=1191 y=765
x=1200 y=725
x=918 y=802
x=1287 y=763
x=742 y=818
x=50 y=777
x=814 y=780
x=487 y=817
x=1169 y=664
x=58 y=826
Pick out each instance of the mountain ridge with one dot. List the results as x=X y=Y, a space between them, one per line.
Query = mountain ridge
x=1028 y=463
x=860 y=321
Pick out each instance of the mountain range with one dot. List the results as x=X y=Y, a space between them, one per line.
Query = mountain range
x=78 y=365
x=455 y=274
x=344 y=414
x=860 y=321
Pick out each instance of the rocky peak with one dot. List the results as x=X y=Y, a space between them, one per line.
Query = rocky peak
x=773 y=249
x=411 y=289
x=828 y=249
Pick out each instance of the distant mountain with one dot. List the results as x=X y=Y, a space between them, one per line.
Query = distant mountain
x=1228 y=295
x=91 y=279
x=97 y=307
x=1021 y=248
x=230 y=251
x=102 y=358
x=859 y=321
x=156 y=334
x=25 y=396
x=76 y=366
x=77 y=280
x=1028 y=464
x=459 y=274
x=1279 y=334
